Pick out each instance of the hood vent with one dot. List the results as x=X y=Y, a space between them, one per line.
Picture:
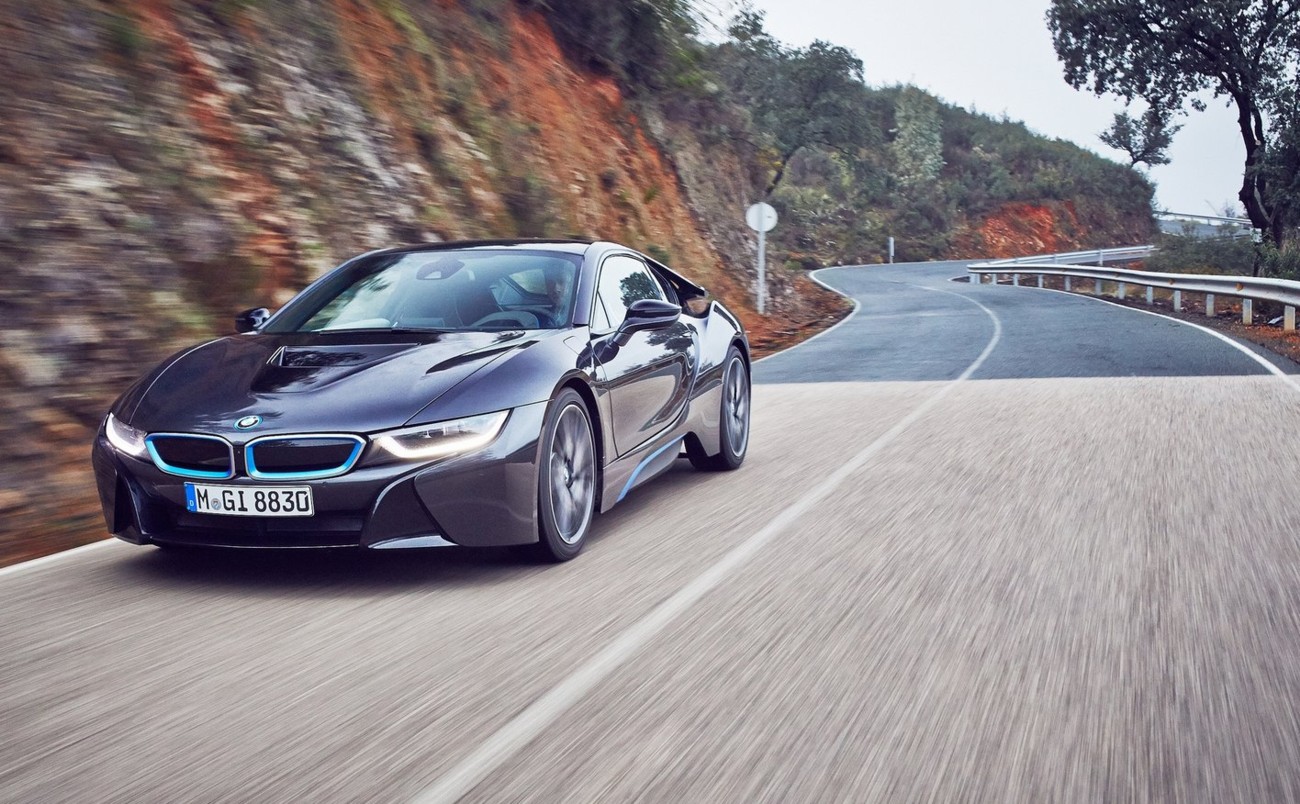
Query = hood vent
x=315 y=357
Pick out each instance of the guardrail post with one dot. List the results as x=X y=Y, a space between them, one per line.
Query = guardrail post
x=1123 y=288
x=1101 y=256
x=1288 y=319
x=1209 y=305
x=1067 y=283
x=1151 y=295
x=1096 y=286
x=1015 y=279
x=1248 y=311
x=1178 y=301
x=1040 y=280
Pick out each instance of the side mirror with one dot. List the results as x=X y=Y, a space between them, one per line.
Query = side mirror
x=251 y=320
x=643 y=314
x=646 y=314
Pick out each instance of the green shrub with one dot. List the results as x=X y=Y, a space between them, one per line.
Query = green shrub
x=124 y=36
x=1282 y=263
x=646 y=44
x=529 y=203
x=1190 y=255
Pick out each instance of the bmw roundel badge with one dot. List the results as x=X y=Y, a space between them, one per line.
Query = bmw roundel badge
x=248 y=422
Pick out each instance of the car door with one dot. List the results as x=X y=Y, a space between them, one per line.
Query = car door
x=647 y=380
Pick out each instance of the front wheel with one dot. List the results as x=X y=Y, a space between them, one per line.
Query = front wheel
x=733 y=427
x=566 y=493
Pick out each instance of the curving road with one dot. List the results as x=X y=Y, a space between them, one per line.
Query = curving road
x=990 y=544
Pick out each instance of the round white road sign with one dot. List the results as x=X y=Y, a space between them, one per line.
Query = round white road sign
x=761 y=217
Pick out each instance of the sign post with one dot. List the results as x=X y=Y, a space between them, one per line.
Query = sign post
x=761 y=218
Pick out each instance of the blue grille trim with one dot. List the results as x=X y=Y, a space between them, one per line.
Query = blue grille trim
x=197 y=474
x=250 y=463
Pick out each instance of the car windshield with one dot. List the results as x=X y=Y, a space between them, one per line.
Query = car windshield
x=473 y=289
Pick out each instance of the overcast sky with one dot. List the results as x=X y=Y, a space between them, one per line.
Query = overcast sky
x=997 y=57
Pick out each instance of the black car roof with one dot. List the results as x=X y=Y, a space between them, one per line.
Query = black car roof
x=540 y=244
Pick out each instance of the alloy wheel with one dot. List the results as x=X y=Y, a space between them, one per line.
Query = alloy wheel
x=735 y=407
x=572 y=474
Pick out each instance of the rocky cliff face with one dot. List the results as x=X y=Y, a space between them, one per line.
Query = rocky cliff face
x=165 y=164
x=1023 y=229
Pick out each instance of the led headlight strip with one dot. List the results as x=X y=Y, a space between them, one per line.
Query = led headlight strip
x=443 y=439
x=124 y=437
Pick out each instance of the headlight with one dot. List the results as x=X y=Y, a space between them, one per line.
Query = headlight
x=442 y=439
x=124 y=437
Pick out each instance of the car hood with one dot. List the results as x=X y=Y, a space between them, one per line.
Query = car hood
x=310 y=382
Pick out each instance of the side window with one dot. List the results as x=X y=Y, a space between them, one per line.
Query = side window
x=623 y=280
x=599 y=321
x=665 y=288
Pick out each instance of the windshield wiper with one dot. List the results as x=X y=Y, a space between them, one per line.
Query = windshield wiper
x=418 y=330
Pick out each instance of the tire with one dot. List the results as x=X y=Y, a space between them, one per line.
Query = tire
x=566 y=478
x=733 y=419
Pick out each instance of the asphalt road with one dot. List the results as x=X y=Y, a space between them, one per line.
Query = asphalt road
x=990 y=544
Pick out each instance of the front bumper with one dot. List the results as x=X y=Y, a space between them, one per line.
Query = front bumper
x=481 y=499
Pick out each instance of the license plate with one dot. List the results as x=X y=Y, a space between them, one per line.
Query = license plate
x=249 y=500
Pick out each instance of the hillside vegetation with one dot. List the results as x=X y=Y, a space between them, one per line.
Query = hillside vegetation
x=164 y=164
x=895 y=161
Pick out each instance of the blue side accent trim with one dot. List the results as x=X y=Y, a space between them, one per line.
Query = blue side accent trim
x=631 y=481
x=198 y=474
x=317 y=474
x=408 y=542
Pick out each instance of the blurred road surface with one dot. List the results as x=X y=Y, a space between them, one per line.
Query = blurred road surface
x=990 y=544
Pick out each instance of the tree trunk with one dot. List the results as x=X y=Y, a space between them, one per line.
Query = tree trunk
x=780 y=172
x=1251 y=125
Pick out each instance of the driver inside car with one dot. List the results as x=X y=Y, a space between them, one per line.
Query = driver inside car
x=559 y=286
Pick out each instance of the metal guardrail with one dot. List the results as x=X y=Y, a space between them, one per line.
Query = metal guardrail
x=1205 y=226
x=1212 y=219
x=1098 y=255
x=1246 y=288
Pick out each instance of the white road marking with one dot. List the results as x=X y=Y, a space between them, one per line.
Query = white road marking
x=856 y=307
x=504 y=743
x=14 y=569
x=1269 y=366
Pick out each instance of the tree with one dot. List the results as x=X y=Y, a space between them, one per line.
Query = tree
x=1280 y=166
x=1144 y=140
x=1167 y=51
x=918 y=140
x=806 y=97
